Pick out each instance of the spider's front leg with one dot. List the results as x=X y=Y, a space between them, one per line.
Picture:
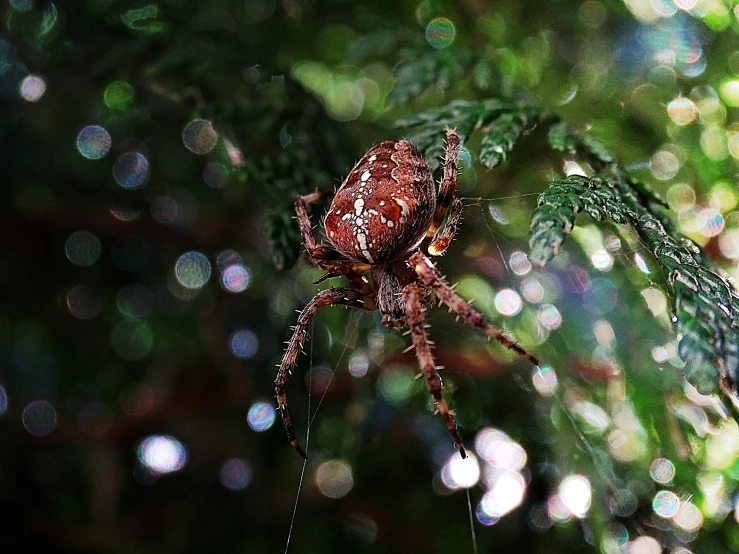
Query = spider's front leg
x=328 y=297
x=316 y=253
x=414 y=319
x=430 y=277
x=324 y=256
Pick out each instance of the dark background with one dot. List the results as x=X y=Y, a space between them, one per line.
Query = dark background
x=150 y=154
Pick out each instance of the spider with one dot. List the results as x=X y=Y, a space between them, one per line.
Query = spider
x=383 y=224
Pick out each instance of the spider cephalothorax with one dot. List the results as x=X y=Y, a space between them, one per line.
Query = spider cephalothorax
x=383 y=223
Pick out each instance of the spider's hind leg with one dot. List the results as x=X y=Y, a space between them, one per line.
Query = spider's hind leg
x=443 y=239
x=430 y=277
x=412 y=298
x=328 y=297
x=447 y=188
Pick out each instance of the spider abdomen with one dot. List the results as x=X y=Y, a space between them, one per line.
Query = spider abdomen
x=384 y=206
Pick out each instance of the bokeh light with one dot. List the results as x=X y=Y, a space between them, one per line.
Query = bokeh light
x=508 y=302
x=93 y=142
x=498 y=449
x=644 y=545
x=714 y=222
x=575 y=493
x=236 y=278
x=82 y=302
x=728 y=243
x=665 y=504
x=664 y=165
x=162 y=454
x=681 y=197
x=32 y=88
x=458 y=473
x=571 y=167
x=395 y=384
x=682 y=111
x=243 y=344
x=505 y=495
x=235 y=474
x=192 y=270
x=485 y=518
x=612 y=243
x=549 y=316
x=601 y=260
x=82 y=248
x=724 y=196
x=440 y=32
x=119 y=95
x=730 y=92
x=199 y=136
x=261 y=416
x=519 y=263
x=131 y=170
x=662 y=470
x=124 y=213
x=532 y=290
x=557 y=510
x=358 y=364
x=545 y=381
x=334 y=478
x=215 y=175
x=39 y=418
x=688 y=517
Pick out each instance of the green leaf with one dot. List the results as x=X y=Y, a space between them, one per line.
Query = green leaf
x=703 y=303
x=500 y=123
x=501 y=135
x=565 y=138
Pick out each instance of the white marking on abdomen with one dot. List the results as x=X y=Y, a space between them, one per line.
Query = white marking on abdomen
x=362 y=239
x=358 y=206
x=404 y=207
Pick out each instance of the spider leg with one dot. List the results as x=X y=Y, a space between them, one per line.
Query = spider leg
x=444 y=239
x=430 y=277
x=306 y=228
x=320 y=255
x=324 y=256
x=328 y=297
x=447 y=187
x=414 y=319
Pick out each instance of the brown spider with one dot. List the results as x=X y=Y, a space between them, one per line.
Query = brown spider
x=383 y=222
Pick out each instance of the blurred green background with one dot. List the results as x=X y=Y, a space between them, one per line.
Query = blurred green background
x=150 y=154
